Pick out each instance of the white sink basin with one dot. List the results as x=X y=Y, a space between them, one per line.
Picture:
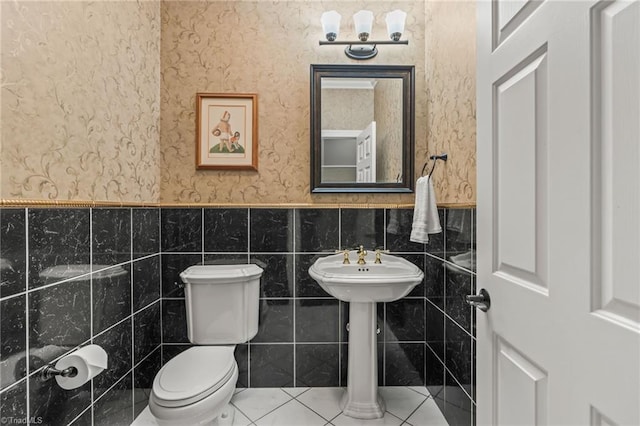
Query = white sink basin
x=390 y=280
x=363 y=286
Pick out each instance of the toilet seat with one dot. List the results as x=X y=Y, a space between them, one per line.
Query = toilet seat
x=193 y=375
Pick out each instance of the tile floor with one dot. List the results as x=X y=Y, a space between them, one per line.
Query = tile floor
x=407 y=406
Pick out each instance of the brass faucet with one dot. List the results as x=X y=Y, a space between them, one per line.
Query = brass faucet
x=379 y=255
x=361 y=255
x=345 y=253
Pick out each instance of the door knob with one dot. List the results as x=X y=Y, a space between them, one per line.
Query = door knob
x=481 y=300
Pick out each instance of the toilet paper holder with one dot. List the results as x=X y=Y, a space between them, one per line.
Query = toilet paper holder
x=49 y=372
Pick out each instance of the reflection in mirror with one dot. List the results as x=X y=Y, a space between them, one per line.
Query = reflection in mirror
x=365 y=113
x=362 y=128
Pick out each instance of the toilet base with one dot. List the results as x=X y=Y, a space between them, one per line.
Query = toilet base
x=226 y=416
x=204 y=412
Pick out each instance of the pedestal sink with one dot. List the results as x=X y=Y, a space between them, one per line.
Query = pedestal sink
x=363 y=286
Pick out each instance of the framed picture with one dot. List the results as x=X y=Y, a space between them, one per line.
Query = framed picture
x=227 y=131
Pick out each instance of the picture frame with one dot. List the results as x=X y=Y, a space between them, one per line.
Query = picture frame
x=227 y=131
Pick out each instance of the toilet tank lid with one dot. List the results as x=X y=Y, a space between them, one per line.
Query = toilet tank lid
x=211 y=274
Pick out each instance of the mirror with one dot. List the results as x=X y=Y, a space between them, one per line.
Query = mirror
x=362 y=128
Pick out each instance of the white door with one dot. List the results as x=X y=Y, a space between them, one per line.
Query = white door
x=559 y=212
x=366 y=154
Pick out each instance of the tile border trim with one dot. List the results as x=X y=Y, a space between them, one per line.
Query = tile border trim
x=89 y=203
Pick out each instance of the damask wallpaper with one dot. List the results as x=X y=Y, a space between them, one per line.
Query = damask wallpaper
x=450 y=64
x=80 y=101
x=346 y=109
x=266 y=48
x=388 y=110
x=98 y=98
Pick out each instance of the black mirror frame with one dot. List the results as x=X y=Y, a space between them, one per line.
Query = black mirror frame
x=404 y=72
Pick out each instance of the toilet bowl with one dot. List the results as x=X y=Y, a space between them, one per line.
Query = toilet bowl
x=195 y=387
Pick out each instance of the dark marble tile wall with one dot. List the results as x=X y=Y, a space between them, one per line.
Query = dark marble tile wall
x=450 y=322
x=71 y=277
x=302 y=339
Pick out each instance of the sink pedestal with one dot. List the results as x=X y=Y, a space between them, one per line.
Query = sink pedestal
x=361 y=400
x=363 y=285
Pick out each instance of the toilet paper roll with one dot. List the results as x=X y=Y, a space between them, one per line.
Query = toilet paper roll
x=89 y=361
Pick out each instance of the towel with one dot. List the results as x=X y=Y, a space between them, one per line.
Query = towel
x=459 y=220
x=425 y=214
x=393 y=227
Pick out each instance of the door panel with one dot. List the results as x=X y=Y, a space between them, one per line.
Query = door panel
x=558 y=95
x=509 y=15
x=615 y=30
x=366 y=154
x=521 y=388
x=520 y=152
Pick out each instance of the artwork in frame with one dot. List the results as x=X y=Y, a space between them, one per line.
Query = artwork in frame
x=227 y=131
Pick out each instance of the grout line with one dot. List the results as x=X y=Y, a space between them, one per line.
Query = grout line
x=340 y=229
x=202 y=235
x=133 y=335
x=457 y=382
x=311 y=408
x=335 y=417
x=243 y=413
x=384 y=343
x=416 y=409
x=74 y=278
x=248 y=259
x=91 y=271
x=143 y=308
x=451 y=319
x=295 y=276
x=384 y=227
x=124 y=376
x=16 y=295
x=436 y=355
x=90 y=407
x=146 y=357
x=302 y=393
x=26 y=307
x=14 y=384
x=248 y=253
x=277 y=408
x=160 y=298
x=425 y=386
x=340 y=338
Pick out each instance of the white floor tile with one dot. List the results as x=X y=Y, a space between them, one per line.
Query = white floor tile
x=145 y=419
x=401 y=401
x=256 y=402
x=240 y=419
x=428 y=414
x=316 y=406
x=420 y=389
x=295 y=391
x=292 y=413
x=388 y=420
x=324 y=401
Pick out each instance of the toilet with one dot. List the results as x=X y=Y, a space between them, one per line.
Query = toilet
x=196 y=386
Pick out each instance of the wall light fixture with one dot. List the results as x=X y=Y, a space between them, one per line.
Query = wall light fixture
x=363 y=22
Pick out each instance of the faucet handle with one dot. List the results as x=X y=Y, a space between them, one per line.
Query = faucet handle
x=345 y=259
x=379 y=253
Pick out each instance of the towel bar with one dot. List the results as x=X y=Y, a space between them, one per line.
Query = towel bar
x=435 y=158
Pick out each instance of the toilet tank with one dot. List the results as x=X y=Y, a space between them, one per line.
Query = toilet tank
x=222 y=303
